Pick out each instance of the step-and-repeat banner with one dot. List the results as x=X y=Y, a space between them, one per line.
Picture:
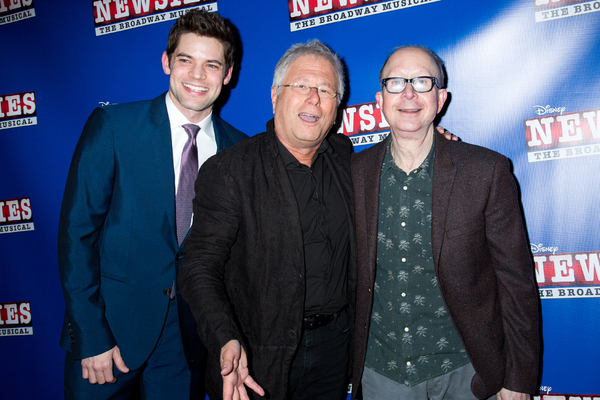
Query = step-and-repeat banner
x=523 y=80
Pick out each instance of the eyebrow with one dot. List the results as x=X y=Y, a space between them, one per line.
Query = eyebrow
x=186 y=55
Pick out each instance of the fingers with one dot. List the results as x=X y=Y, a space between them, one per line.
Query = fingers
x=96 y=370
x=99 y=369
x=254 y=386
x=119 y=363
x=230 y=356
x=229 y=387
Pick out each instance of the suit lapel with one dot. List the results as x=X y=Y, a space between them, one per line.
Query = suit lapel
x=162 y=154
x=371 y=180
x=223 y=140
x=444 y=173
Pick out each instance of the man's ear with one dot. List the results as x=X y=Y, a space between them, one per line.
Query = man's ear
x=165 y=63
x=228 y=76
x=442 y=96
x=273 y=97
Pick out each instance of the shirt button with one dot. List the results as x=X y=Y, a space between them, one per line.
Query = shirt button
x=408 y=363
x=406 y=329
x=403 y=294
x=292 y=334
x=405 y=187
x=403 y=259
x=403 y=224
x=167 y=291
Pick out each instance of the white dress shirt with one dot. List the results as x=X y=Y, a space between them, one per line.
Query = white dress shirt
x=205 y=140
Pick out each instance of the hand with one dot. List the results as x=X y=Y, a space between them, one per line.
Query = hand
x=234 y=369
x=447 y=134
x=505 y=394
x=99 y=369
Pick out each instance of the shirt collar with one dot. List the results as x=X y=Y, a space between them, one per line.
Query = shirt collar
x=177 y=119
x=288 y=157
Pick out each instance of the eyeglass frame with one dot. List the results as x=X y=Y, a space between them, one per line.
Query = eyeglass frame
x=310 y=88
x=434 y=82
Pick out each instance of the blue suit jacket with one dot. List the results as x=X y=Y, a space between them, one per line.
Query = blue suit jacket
x=117 y=245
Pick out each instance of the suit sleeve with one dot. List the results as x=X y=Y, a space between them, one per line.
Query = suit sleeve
x=202 y=275
x=514 y=270
x=85 y=205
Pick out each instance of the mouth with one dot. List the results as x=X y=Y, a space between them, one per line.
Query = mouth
x=198 y=89
x=310 y=118
x=409 y=110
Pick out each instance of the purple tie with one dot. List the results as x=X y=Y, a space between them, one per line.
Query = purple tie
x=187 y=177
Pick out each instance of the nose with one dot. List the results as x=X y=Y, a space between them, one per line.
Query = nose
x=197 y=72
x=313 y=96
x=409 y=92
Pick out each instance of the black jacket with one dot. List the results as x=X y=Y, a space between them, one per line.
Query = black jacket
x=243 y=271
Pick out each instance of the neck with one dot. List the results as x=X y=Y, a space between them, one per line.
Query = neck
x=304 y=156
x=409 y=154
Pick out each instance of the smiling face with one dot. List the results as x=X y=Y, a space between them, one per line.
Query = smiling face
x=303 y=121
x=411 y=114
x=196 y=75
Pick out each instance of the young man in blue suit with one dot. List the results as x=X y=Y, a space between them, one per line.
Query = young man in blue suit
x=126 y=328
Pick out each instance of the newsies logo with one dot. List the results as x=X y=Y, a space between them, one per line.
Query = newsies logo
x=16 y=215
x=364 y=124
x=548 y=10
x=559 y=396
x=15 y=10
x=15 y=319
x=552 y=137
x=17 y=110
x=312 y=13
x=118 y=15
x=567 y=275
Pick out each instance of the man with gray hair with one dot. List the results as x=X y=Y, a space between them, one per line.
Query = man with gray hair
x=269 y=266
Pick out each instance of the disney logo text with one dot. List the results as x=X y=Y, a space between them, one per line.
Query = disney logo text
x=541 y=110
x=539 y=248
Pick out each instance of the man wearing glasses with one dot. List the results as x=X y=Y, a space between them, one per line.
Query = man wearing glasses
x=446 y=298
x=269 y=265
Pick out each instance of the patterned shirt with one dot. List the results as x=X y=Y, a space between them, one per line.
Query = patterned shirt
x=411 y=338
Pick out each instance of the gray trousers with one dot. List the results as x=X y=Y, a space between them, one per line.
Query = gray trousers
x=455 y=385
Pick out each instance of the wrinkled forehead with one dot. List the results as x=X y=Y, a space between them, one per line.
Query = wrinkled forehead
x=411 y=61
x=313 y=67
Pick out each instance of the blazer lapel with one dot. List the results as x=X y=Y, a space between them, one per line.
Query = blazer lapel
x=444 y=173
x=162 y=154
x=223 y=140
x=371 y=180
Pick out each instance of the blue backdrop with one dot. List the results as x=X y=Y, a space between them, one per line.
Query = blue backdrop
x=523 y=79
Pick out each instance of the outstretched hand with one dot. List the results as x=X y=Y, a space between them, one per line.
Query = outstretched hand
x=99 y=369
x=234 y=369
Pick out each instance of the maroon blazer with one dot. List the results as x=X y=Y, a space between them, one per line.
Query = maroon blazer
x=482 y=262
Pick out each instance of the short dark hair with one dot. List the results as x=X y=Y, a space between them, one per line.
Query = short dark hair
x=442 y=79
x=204 y=23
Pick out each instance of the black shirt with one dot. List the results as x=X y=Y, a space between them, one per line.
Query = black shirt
x=324 y=228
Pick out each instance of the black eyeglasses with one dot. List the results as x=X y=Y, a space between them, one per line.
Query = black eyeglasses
x=302 y=89
x=420 y=84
